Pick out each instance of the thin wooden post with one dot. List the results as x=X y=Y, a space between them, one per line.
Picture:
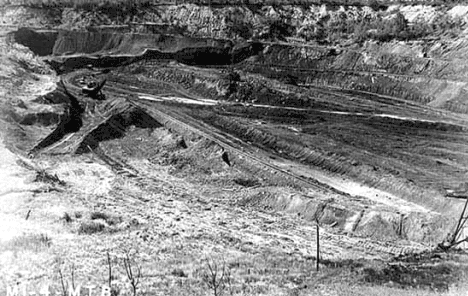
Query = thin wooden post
x=318 y=247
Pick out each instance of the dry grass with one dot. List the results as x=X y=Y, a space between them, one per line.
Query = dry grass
x=359 y=290
x=91 y=227
x=27 y=242
x=84 y=4
x=71 y=3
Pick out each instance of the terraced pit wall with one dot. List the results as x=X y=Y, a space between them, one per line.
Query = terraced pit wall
x=72 y=50
x=435 y=82
x=432 y=71
x=438 y=83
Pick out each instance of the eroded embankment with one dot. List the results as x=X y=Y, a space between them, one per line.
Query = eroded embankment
x=69 y=121
x=72 y=50
x=115 y=126
x=357 y=217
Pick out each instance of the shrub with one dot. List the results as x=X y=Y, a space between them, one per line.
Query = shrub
x=246 y=182
x=67 y=217
x=99 y=215
x=90 y=227
x=45 y=177
x=375 y=5
x=111 y=220
x=178 y=272
x=279 y=29
x=217 y=276
x=241 y=29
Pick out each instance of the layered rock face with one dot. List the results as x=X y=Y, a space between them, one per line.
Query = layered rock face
x=324 y=46
x=429 y=70
x=435 y=82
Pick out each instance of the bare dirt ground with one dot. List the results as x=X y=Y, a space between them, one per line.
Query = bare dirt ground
x=170 y=225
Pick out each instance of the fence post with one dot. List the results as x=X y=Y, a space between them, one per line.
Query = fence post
x=318 y=246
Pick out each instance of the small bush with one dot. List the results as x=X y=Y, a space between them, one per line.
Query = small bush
x=90 y=227
x=242 y=29
x=246 y=182
x=45 y=177
x=217 y=276
x=111 y=220
x=178 y=272
x=99 y=215
x=67 y=218
x=375 y=5
x=280 y=30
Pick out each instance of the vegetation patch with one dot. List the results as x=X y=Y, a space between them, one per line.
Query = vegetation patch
x=437 y=277
x=45 y=177
x=27 y=242
x=246 y=182
x=67 y=218
x=91 y=227
x=109 y=219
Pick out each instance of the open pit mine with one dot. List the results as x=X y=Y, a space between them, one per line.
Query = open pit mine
x=234 y=148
